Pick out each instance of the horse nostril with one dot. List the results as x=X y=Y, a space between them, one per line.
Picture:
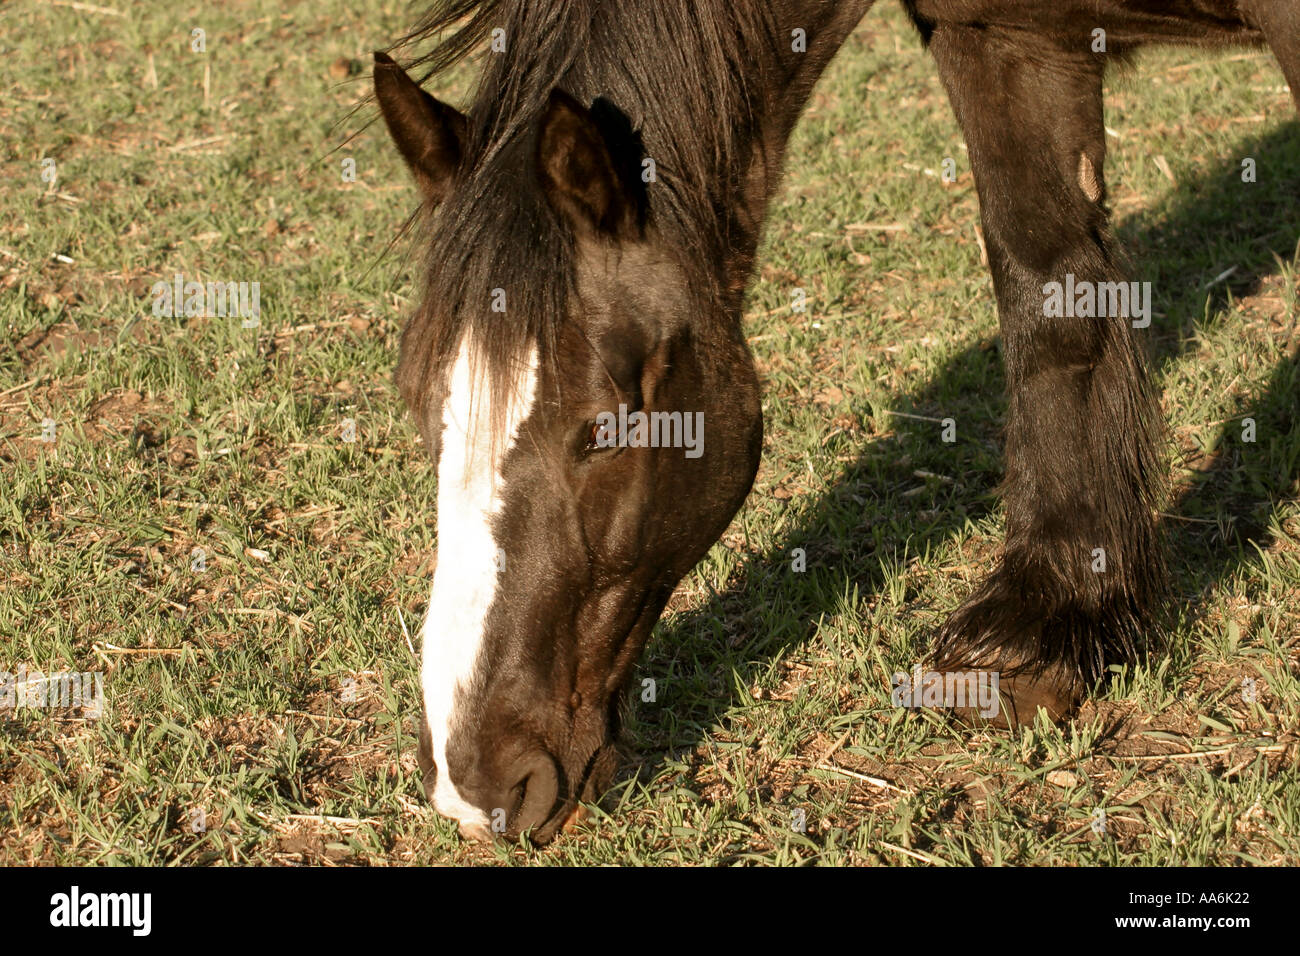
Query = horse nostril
x=424 y=756
x=536 y=792
x=429 y=781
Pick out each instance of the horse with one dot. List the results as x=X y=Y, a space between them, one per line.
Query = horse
x=592 y=221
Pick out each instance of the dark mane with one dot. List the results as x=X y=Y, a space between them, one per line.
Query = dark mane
x=687 y=75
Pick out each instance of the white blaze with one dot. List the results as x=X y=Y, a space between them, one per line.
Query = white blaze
x=464 y=582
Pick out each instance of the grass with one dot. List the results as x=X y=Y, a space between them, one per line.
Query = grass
x=270 y=696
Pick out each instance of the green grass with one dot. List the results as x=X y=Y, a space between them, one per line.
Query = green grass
x=276 y=686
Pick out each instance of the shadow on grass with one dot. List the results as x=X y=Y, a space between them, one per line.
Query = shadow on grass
x=863 y=522
x=1214 y=224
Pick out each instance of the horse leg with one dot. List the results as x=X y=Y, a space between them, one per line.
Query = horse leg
x=1279 y=21
x=1082 y=567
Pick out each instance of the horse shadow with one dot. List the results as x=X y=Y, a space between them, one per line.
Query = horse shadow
x=1219 y=224
x=767 y=610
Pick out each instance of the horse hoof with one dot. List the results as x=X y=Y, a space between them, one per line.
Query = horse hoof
x=1021 y=695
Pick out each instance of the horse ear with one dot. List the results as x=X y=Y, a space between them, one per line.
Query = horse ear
x=429 y=134
x=577 y=167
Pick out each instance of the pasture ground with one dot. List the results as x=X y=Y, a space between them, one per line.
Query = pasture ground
x=272 y=695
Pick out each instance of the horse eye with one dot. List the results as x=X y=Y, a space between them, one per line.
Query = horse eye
x=599 y=437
